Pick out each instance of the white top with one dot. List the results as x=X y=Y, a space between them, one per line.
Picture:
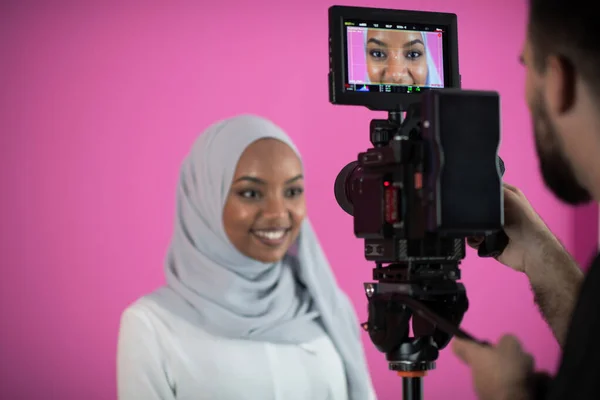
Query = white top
x=162 y=355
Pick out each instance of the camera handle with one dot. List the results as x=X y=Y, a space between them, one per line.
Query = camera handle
x=493 y=245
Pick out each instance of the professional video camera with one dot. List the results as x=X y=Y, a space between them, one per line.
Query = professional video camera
x=432 y=178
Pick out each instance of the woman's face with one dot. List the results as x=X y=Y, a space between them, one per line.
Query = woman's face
x=265 y=206
x=396 y=57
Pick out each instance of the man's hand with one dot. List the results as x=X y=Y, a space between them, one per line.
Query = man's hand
x=503 y=372
x=554 y=276
x=527 y=232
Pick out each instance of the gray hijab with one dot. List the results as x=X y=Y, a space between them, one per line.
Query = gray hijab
x=293 y=301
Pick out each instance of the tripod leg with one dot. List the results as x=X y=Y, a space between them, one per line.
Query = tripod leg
x=412 y=388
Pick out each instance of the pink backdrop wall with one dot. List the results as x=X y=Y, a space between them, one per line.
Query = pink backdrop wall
x=100 y=101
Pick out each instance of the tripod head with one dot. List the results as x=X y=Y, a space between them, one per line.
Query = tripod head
x=390 y=319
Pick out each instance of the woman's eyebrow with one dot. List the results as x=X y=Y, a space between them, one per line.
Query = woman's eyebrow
x=251 y=179
x=259 y=181
x=377 y=42
x=412 y=43
x=294 y=179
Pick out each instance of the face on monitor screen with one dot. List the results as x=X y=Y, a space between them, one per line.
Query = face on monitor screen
x=394 y=58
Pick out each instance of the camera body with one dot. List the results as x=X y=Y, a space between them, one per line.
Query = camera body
x=431 y=178
x=428 y=181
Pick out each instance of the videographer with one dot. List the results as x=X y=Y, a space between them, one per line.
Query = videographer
x=562 y=57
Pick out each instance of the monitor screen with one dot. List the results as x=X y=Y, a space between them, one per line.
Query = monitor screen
x=393 y=57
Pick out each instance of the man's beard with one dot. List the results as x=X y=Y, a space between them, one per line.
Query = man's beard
x=555 y=168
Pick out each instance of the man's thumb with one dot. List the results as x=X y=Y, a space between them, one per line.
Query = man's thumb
x=474 y=242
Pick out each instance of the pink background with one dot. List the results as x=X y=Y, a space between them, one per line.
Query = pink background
x=357 y=72
x=100 y=101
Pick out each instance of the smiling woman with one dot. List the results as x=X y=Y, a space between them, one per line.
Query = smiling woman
x=265 y=207
x=251 y=309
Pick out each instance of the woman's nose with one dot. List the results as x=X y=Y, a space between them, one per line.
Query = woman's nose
x=398 y=70
x=274 y=208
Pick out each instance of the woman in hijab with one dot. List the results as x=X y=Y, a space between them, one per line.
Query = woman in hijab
x=251 y=308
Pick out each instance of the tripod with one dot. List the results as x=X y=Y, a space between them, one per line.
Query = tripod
x=418 y=293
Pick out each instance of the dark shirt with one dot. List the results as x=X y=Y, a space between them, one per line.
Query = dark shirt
x=578 y=377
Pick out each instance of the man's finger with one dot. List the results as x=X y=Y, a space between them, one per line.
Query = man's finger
x=466 y=350
x=509 y=343
x=510 y=187
x=511 y=346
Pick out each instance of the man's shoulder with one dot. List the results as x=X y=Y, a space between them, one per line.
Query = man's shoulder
x=589 y=295
x=591 y=282
x=578 y=373
x=595 y=262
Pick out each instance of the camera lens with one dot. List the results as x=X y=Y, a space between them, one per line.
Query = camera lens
x=343 y=187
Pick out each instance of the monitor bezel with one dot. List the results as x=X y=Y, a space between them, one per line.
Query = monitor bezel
x=385 y=101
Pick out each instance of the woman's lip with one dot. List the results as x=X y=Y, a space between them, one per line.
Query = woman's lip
x=270 y=229
x=271 y=242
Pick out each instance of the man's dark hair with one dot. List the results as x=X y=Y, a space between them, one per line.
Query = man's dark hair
x=567 y=29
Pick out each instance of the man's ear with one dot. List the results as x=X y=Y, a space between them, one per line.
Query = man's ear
x=559 y=85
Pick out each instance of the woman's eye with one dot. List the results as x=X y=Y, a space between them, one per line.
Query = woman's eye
x=249 y=194
x=377 y=54
x=294 y=192
x=414 y=54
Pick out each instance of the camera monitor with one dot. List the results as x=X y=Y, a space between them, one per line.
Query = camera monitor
x=384 y=59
